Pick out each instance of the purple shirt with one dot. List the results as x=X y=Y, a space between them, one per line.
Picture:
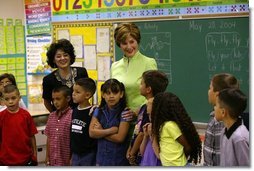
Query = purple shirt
x=149 y=158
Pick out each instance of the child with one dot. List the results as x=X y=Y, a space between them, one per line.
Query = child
x=174 y=133
x=18 y=144
x=82 y=146
x=109 y=127
x=58 y=129
x=152 y=82
x=148 y=156
x=234 y=143
x=211 y=150
x=6 y=79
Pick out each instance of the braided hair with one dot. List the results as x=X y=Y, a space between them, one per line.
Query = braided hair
x=168 y=107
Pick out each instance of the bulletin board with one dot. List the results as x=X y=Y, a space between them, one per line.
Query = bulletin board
x=94 y=48
x=12 y=52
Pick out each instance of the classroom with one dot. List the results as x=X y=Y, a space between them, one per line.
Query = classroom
x=190 y=41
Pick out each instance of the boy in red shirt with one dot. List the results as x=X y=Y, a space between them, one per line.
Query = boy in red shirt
x=17 y=129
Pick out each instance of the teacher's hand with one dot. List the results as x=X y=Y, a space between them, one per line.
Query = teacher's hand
x=128 y=115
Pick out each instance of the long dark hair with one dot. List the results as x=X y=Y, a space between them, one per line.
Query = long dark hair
x=168 y=107
x=115 y=86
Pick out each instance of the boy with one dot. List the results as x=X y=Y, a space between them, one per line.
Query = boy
x=152 y=83
x=211 y=150
x=83 y=147
x=58 y=129
x=234 y=142
x=18 y=144
x=5 y=79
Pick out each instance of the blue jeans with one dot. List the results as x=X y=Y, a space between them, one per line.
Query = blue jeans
x=88 y=159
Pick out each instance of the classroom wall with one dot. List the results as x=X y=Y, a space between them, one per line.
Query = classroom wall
x=12 y=9
x=15 y=9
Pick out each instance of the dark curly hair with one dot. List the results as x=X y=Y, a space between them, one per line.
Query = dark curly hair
x=168 y=107
x=64 y=45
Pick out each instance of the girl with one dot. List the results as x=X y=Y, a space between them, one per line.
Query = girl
x=175 y=137
x=6 y=79
x=109 y=127
x=148 y=156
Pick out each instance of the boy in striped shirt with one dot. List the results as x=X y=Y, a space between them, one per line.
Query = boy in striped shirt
x=58 y=129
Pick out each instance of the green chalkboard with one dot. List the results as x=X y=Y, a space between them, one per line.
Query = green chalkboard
x=190 y=52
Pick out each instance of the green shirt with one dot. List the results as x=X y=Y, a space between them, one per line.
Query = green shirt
x=129 y=71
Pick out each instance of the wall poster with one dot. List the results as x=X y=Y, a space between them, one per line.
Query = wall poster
x=94 y=48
